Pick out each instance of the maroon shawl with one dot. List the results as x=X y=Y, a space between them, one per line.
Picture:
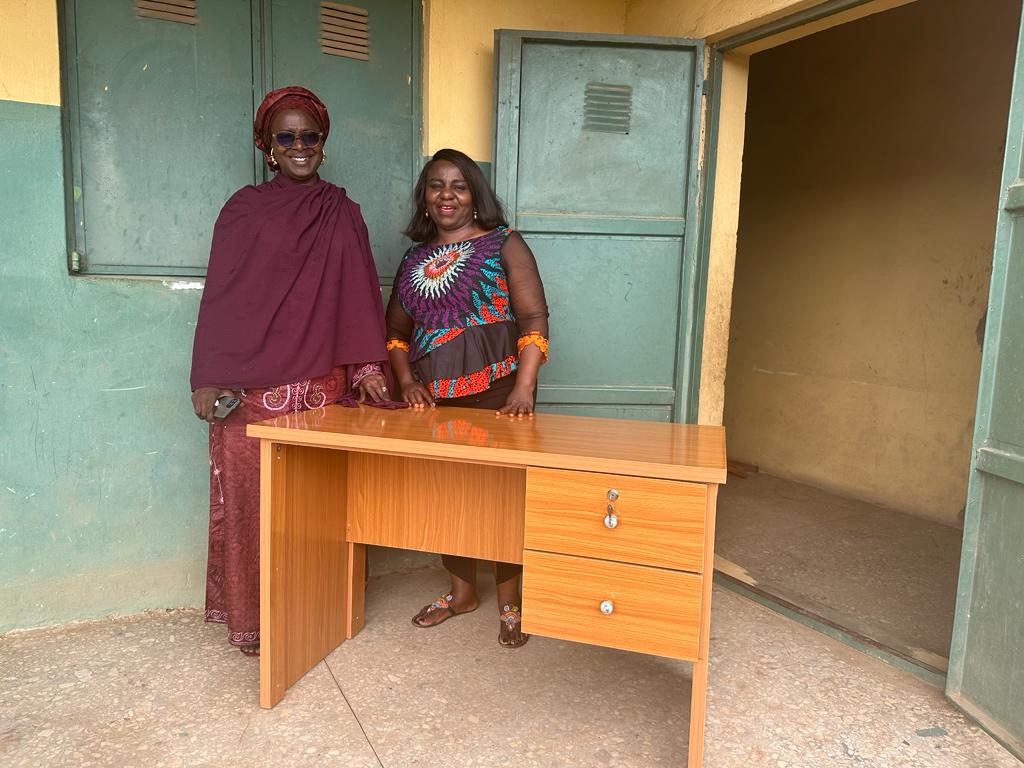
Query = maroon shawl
x=291 y=289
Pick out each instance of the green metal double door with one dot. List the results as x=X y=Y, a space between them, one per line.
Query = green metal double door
x=160 y=111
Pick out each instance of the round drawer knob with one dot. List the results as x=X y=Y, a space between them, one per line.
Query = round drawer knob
x=613 y=494
x=611 y=520
x=607 y=607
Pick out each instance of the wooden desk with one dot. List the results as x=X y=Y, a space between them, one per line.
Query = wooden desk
x=465 y=482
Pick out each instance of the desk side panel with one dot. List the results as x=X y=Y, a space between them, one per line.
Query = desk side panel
x=437 y=506
x=304 y=561
x=272 y=618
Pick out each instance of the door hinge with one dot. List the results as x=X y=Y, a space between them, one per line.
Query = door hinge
x=75 y=262
x=706 y=87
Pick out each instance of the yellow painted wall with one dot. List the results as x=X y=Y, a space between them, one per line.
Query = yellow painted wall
x=870 y=188
x=459 y=46
x=705 y=18
x=29 y=62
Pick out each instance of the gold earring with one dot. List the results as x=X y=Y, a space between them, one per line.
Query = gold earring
x=474 y=214
x=324 y=158
x=273 y=160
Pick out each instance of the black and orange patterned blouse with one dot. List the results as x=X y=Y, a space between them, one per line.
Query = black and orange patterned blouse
x=462 y=306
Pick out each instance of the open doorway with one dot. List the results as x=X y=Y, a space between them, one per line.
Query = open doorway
x=870 y=183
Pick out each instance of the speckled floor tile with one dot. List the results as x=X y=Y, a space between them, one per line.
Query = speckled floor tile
x=451 y=696
x=882 y=573
x=165 y=690
x=782 y=695
x=161 y=689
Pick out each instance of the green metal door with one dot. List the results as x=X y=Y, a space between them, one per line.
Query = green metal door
x=160 y=118
x=373 y=150
x=595 y=152
x=986 y=660
x=162 y=131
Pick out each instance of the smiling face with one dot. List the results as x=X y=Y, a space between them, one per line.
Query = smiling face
x=298 y=162
x=448 y=199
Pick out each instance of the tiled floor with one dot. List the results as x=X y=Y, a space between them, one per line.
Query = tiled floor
x=884 y=574
x=165 y=690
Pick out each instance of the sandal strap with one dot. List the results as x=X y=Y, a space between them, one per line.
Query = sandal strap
x=442 y=602
x=511 y=615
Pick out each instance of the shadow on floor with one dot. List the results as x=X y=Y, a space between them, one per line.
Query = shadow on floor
x=885 y=576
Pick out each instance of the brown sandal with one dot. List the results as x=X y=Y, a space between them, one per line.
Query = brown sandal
x=443 y=605
x=510 y=634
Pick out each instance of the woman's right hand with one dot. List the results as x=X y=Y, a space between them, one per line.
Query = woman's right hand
x=203 y=400
x=416 y=395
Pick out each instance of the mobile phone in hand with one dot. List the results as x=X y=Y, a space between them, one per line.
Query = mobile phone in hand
x=224 y=405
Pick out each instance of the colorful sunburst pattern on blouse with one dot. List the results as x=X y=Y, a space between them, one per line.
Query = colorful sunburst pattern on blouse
x=449 y=288
x=435 y=276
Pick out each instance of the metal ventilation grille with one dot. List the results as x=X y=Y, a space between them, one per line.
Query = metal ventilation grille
x=344 y=31
x=183 y=11
x=607 y=108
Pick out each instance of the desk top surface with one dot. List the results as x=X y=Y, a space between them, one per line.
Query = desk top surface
x=619 y=446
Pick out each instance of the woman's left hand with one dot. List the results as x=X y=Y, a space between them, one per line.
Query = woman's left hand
x=519 y=402
x=373 y=386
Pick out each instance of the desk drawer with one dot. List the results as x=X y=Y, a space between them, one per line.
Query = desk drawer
x=652 y=610
x=658 y=522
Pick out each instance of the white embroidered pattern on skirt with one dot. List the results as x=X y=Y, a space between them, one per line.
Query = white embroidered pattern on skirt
x=295 y=397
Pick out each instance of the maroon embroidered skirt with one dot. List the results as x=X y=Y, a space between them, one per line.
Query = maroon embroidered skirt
x=233 y=566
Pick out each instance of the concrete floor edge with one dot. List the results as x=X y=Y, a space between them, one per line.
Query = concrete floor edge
x=1007 y=742
x=922 y=672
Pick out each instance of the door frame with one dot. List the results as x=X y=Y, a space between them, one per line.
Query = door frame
x=693 y=271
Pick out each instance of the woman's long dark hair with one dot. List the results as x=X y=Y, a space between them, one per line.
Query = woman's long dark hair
x=489 y=211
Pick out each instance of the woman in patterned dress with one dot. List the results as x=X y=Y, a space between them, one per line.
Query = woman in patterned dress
x=467 y=326
x=290 y=319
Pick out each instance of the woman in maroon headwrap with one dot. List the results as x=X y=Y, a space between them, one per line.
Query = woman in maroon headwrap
x=290 y=319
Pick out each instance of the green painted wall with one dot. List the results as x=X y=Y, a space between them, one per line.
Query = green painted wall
x=103 y=491
x=103 y=485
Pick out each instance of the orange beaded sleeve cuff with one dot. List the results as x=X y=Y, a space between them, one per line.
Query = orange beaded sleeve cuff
x=537 y=340
x=397 y=344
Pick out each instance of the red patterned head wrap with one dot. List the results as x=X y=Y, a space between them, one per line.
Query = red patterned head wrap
x=291 y=97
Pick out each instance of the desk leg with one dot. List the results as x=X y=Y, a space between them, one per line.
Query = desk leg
x=698 y=695
x=303 y=562
x=355 y=591
x=699 y=686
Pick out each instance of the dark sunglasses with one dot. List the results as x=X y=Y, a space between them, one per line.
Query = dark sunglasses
x=308 y=138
